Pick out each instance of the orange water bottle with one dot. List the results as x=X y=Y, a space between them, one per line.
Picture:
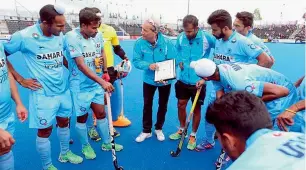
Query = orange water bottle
x=98 y=65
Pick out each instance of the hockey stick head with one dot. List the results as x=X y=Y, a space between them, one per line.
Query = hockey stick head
x=174 y=154
x=119 y=168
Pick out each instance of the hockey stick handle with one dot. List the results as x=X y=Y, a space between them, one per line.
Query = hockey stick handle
x=195 y=101
x=111 y=130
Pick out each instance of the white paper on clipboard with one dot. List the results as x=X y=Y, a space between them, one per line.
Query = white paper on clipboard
x=166 y=70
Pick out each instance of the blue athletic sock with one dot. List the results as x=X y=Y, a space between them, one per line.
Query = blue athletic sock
x=63 y=135
x=210 y=132
x=102 y=125
x=90 y=121
x=7 y=161
x=43 y=148
x=81 y=130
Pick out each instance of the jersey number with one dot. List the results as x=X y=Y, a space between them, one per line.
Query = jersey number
x=294 y=147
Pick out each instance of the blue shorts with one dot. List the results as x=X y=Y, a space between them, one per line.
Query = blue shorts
x=9 y=124
x=44 y=109
x=83 y=100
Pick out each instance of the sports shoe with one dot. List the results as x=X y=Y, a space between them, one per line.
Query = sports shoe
x=108 y=147
x=159 y=134
x=205 y=145
x=143 y=136
x=192 y=143
x=177 y=135
x=93 y=134
x=70 y=157
x=88 y=152
x=51 y=167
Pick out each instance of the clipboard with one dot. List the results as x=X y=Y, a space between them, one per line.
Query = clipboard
x=166 y=70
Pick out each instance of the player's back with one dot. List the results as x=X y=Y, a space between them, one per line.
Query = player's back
x=253 y=72
x=270 y=150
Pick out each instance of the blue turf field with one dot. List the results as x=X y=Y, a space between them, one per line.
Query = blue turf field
x=151 y=154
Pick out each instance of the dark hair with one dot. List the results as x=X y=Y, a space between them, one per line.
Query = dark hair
x=246 y=18
x=96 y=10
x=87 y=15
x=48 y=13
x=220 y=17
x=239 y=112
x=190 y=19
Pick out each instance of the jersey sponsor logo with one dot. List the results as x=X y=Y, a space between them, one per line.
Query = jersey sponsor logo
x=91 y=64
x=223 y=57
x=89 y=54
x=83 y=109
x=43 y=121
x=71 y=48
x=252 y=46
x=50 y=56
x=74 y=72
x=2 y=63
x=3 y=76
x=35 y=35
x=294 y=147
x=57 y=64
x=250 y=88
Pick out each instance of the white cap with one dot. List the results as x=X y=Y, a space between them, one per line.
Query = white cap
x=203 y=67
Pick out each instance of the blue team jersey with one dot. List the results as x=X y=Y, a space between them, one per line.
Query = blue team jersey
x=192 y=50
x=99 y=43
x=270 y=150
x=251 y=77
x=5 y=90
x=236 y=49
x=43 y=57
x=78 y=46
x=257 y=41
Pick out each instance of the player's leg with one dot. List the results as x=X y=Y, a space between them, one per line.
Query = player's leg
x=208 y=140
x=6 y=155
x=63 y=131
x=92 y=131
x=81 y=105
x=196 y=116
x=43 y=111
x=97 y=106
x=148 y=94
x=163 y=92
x=182 y=95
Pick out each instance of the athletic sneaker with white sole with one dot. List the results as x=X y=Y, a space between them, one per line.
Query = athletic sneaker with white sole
x=159 y=134
x=143 y=136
